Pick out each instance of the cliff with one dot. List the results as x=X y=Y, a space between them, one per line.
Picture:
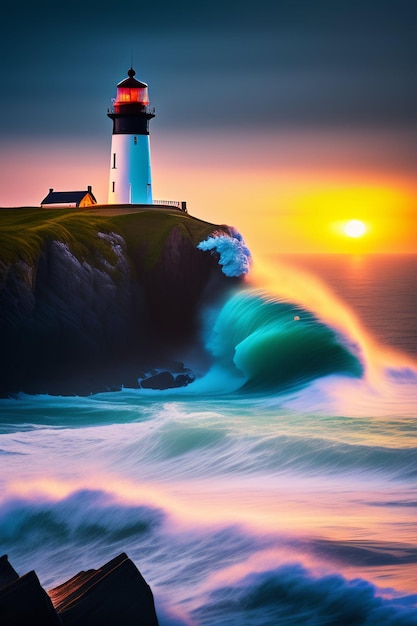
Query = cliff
x=90 y=299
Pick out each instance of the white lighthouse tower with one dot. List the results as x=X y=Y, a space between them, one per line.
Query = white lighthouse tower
x=130 y=180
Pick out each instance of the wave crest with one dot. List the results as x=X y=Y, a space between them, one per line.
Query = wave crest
x=275 y=345
x=234 y=255
x=291 y=595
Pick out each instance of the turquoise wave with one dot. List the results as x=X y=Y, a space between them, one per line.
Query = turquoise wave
x=275 y=345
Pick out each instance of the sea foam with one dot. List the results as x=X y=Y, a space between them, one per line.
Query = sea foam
x=234 y=255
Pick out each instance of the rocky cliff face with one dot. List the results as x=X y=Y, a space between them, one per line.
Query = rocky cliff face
x=68 y=325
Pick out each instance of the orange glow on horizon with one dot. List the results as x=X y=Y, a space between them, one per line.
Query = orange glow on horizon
x=325 y=208
x=281 y=203
x=299 y=215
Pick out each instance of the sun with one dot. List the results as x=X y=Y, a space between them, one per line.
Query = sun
x=354 y=228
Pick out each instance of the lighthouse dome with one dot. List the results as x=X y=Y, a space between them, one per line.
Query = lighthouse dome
x=131 y=91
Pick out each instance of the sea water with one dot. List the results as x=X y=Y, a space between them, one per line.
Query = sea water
x=279 y=488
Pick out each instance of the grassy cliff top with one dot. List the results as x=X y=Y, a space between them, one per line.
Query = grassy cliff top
x=24 y=231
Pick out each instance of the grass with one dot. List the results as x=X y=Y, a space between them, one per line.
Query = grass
x=25 y=231
x=148 y=231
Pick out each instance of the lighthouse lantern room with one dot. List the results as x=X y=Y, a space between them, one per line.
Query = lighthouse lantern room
x=130 y=180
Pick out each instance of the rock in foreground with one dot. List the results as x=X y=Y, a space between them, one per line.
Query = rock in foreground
x=115 y=594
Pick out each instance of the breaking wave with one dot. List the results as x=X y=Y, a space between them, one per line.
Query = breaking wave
x=234 y=255
x=291 y=595
x=264 y=344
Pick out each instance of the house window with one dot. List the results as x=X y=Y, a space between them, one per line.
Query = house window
x=113 y=186
x=114 y=160
x=135 y=140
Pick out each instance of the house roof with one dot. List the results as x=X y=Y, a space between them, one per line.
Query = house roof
x=66 y=197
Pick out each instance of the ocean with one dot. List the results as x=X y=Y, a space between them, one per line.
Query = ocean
x=279 y=488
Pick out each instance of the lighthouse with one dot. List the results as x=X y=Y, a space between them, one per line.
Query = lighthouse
x=130 y=180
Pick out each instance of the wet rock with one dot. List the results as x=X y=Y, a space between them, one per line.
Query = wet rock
x=176 y=376
x=163 y=380
x=7 y=573
x=24 y=602
x=115 y=594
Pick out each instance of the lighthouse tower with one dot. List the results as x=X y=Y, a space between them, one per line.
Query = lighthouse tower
x=130 y=179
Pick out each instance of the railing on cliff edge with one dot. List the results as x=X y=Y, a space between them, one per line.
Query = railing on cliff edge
x=178 y=204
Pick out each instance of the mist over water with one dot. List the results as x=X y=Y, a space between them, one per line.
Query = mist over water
x=280 y=487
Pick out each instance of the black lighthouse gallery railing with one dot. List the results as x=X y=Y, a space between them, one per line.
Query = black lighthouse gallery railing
x=119 y=107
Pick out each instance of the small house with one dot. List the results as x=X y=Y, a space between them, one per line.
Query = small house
x=69 y=199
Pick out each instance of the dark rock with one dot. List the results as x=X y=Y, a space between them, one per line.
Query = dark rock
x=63 y=321
x=7 y=572
x=24 y=602
x=182 y=380
x=175 y=285
x=163 y=380
x=114 y=595
x=176 y=376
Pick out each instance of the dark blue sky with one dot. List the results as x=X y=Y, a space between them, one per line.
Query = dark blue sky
x=209 y=65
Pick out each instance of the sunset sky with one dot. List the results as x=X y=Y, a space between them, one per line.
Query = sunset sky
x=285 y=119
